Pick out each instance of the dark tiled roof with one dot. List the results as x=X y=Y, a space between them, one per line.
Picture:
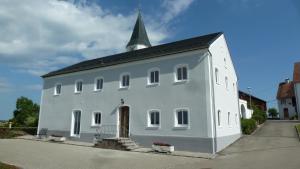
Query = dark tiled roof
x=243 y=95
x=200 y=42
x=285 y=90
x=297 y=73
x=139 y=34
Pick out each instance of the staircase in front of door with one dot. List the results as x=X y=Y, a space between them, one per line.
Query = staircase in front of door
x=118 y=144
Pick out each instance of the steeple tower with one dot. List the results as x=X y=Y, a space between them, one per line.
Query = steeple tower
x=139 y=38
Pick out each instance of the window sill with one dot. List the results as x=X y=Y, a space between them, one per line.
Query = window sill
x=55 y=95
x=75 y=136
x=96 y=91
x=181 y=82
x=124 y=88
x=95 y=126
x=77 y=92
x=180 y=127
x=152 y=127
x=152 y=84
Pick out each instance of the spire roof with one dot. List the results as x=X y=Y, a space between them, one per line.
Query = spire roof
x=139 y=35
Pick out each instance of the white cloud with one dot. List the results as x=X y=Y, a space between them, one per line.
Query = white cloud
x=174 y=8
x=41 y=36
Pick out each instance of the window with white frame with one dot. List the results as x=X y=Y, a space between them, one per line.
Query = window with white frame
x=181 y=118
x=78 y=86
x=153 y=76
x=219 y=117
x=217 y=75
x=96 y=119
x=125 y=80
x=181 y=73
x=57 y=89
x=98 y=84
x=226 y=82
x=153 y=118
x=228 y=120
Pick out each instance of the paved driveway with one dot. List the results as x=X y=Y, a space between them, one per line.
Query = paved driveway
x=275 y=146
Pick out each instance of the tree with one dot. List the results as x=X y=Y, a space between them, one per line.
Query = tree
x=258 y=114
x=26 y=113
x=273 y=112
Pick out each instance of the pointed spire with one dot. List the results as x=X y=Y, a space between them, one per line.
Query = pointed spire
x=139 y=38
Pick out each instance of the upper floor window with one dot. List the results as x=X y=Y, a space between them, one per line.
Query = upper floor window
x=153 y=76
x=78 y=86
x=226 y=82
x=96 y=119
x=219 y=117
x=217 y=75
x=181 y=73
x=228 y=120
x=125 y=81
x=57 y=89
x=153 y=118
x=283 y=101
x=181 y=118
x=98 y=84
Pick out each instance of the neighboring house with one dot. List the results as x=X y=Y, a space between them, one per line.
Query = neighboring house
x=260 y=103
x=183 y=93
x=288 y=95
x=245 y=112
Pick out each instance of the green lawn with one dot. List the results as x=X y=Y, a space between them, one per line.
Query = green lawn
x=5 y=166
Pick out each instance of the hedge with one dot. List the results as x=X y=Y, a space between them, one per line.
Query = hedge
x=248 y=125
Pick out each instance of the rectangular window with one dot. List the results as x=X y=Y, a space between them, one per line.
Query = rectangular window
x=181 y=73
x=219 y=118
x=217 y=75
x=182 y=117
x=125 y=81
x=97 y=118
x=154 y=119
x=154 y=77
x=226 y=82
x=78 y=87
x=98 y=84
x=57 y=90
x=228 y=119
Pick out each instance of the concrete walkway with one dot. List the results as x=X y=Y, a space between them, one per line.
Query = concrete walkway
x=274 y=146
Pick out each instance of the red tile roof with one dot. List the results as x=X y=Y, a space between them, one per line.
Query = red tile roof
x=285 y=90
x=297 y=72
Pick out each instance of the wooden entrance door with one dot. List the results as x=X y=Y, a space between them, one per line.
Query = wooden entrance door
x=124 y=121
x=286 y=113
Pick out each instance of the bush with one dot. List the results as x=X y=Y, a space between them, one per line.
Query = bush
x=248 y=126
x=258 y=115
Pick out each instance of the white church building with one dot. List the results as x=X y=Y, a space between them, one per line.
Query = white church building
x=183 y=93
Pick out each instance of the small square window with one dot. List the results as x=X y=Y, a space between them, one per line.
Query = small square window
x=78 y=87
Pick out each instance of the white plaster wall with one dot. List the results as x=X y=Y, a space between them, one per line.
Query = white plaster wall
x=248 y=112
x=226 y=99
x=167 y=96
x=288 y=104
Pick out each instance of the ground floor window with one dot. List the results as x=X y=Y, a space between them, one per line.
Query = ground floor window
x=153 y=118
x=96 y=120
x=181 y=118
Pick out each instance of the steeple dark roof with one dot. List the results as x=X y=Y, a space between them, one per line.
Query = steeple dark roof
x=139 y=35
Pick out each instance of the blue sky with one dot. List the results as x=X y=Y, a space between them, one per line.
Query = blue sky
x=40 y=36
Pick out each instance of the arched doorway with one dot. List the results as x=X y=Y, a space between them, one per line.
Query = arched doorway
x=124 y=121
x=243 y=111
